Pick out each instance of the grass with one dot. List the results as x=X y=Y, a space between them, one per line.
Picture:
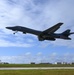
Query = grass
x=35 y=65
x=36 y=72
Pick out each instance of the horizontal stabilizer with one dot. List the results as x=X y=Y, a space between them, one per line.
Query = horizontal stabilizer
x=72 y=33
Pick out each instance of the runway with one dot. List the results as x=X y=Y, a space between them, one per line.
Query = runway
x=36 y=68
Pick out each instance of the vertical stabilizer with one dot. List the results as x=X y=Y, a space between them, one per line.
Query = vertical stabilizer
x=66 y=32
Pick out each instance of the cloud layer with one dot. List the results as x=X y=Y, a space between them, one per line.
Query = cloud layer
x=38 y=58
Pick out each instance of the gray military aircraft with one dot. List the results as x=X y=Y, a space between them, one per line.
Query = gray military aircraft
x=47 y=34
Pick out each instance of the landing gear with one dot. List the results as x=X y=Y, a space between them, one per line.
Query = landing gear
x=15 y=32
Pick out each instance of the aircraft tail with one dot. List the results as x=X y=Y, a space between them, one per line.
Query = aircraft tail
x=67 y=33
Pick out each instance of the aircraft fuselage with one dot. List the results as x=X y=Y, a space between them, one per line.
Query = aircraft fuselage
x=46 y=34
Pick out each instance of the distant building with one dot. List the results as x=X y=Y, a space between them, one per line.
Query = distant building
x=3 y=62
x=45 y=63
x=58 y=62
x=32 y=62
x=61 y=63
x=72 y=63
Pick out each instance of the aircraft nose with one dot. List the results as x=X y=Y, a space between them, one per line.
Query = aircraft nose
x=8 y=27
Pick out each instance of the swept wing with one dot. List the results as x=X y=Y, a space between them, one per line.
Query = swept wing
x=53 y=29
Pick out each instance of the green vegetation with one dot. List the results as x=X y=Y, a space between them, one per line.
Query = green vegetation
x=36 y=65
x=36 y=72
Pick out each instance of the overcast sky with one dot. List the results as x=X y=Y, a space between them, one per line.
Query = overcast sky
x=39 y=15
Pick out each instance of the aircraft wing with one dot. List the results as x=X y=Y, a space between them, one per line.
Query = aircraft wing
x=53 y=29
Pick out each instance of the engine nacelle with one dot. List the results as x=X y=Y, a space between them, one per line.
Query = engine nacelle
x=46 y=38
x=52 y=39
x=24 y=32
x=40 y=38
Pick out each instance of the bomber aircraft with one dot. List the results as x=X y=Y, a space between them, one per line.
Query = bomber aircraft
x=48 y=34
